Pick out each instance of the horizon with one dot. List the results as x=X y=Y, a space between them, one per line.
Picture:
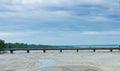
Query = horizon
x=60 y=22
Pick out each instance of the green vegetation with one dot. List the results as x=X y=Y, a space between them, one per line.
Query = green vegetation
x=23 y=45
x=2 y=44
x=5 y=46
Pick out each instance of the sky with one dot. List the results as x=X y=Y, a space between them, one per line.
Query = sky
x=60 y=22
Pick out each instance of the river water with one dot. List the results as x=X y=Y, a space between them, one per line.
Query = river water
x=77 y=69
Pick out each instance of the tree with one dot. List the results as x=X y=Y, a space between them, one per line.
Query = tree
x=2 y=44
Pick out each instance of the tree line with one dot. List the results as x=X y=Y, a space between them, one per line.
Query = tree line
x=23 y=45
x=4 y=45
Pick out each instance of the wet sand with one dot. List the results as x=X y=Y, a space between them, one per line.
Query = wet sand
x=55 y=61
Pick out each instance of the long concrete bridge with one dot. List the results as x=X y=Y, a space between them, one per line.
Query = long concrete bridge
x=94 y=49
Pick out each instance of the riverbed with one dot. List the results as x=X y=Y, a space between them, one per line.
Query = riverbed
x=56 y=61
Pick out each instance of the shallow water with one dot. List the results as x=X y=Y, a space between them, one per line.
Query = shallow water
x=77 y=69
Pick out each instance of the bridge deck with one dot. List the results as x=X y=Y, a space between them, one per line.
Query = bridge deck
x=77 y=49
x=62 y=48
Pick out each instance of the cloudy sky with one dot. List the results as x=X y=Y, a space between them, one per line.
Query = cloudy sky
x=60 y=22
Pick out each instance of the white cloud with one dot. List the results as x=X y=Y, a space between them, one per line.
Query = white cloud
x=100 y=18
x=18 y=13
x=102 y=33
x=61 y=37
x=16 y=34
x=53 y=1
x=57 y=32
x=5 y=34
x=40 y=4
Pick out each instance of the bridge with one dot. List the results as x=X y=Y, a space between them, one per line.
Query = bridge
x=94 y=49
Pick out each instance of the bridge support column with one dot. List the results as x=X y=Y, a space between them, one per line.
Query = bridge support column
x=28 y=51
x=60 y=50
x=111 y=50
x=77 y=50
x=44 y=51
x=11 y=51
x=94 y=50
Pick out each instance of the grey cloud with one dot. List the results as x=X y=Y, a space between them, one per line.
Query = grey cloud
x=78 y=9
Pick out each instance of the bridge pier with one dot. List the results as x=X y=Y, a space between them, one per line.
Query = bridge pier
x=28 y=51
x=111 y=50
x=44 y=51
x=60 y=50
x=94 y=50
x=77 y=50
x=11 y=51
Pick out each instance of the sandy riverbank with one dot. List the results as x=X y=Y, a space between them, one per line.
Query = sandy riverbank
x=55 y=61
